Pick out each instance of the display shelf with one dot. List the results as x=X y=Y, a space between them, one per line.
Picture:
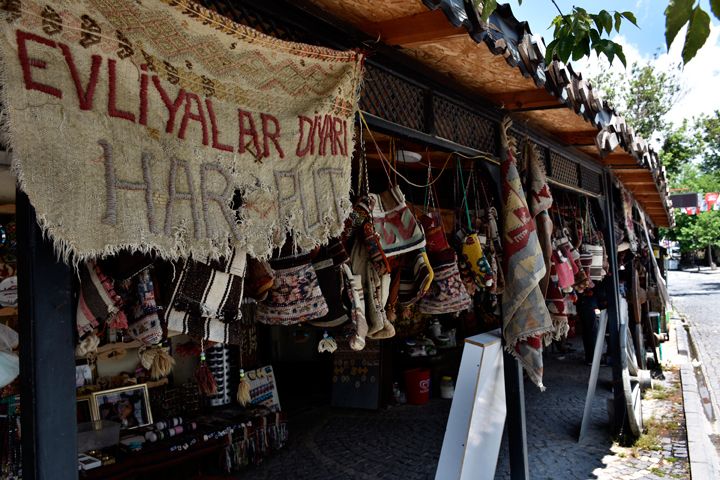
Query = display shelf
x=8 y=312
x=7 y=209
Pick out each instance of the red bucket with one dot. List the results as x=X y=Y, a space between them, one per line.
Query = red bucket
x=417 y=384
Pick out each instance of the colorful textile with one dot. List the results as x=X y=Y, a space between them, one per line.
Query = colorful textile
x=416 y=276
x=377 y=292
x=205 y=302
x=98 y=301
x=259 y=279
x=435 y=238
x=151 y=115
x=296 y=296
x=145 y=326
x=359 y=326
x=477 y=262
x=395 y=223
x=447 y=293
x=629 y=224
x=212 y=290
x=526 y=320
x=328 y=268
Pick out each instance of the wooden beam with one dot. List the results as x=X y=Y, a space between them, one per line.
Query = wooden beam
x=528 y=100
x=580 y=137
x=418 y=29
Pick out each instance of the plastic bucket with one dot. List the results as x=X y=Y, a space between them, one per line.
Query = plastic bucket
x=417 y=384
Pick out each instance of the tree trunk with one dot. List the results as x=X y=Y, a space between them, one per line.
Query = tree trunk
x=711 y=264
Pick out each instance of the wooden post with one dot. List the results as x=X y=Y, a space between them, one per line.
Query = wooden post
x=47 y=354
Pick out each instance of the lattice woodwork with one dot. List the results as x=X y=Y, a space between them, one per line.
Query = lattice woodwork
x=392 y=98
x=591 y=180
x=463 y=126
x=563 y=170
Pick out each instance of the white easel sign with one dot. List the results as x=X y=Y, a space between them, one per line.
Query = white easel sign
x=477 y=415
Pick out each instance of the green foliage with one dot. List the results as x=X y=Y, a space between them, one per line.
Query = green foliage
x=644 y=96
x=709 y=128
x=681 y=145
x=581 y=32
x=681 y=12
x=696 y=232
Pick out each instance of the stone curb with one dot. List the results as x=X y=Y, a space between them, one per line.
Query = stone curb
x=701 y=465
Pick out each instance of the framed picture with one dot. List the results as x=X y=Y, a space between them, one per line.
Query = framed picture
x=129 y=406
x=84 y=412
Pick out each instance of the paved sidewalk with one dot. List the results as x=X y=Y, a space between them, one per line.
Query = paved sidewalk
x=404 y=442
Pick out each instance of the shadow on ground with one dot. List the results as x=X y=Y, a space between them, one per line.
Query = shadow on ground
x=404 y=442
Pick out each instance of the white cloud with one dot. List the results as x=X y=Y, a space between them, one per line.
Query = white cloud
x=699 y=80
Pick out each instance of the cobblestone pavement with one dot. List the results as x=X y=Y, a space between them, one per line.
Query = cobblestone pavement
x=404 y=442
x=696 y=296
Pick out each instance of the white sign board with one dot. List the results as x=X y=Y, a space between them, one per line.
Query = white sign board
x=477 y=415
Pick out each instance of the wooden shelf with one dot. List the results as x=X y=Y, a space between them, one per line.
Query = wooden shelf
x=8 y=312
x=7 y=209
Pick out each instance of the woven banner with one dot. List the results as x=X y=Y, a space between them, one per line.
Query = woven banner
x=161 y=125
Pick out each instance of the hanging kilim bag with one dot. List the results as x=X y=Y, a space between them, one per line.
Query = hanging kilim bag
x=358 y=322
x=212 y=290
x=447 y=293
x=295 y=296
x=328 y=268
x=471 y=250
x=377 y=292
x=436 y=241
x=98 y=301
x=596 y=266
x=416 y=276
x=473 y=255
x=563 y=271
x=258 y=279
x=394 y=222
x=362 y=221
x=205 y=300
x=145 y=325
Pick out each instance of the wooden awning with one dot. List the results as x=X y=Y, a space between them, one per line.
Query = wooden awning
x=503 y=62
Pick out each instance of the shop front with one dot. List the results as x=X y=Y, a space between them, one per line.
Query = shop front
x=229 y=213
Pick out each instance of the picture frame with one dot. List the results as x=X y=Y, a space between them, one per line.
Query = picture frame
x=129 y=406
x=84 y=410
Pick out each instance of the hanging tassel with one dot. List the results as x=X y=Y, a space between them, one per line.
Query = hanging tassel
x=205 y=379
x=327 y=344
x=88 y=346
x=243 y=393
x=156 y=360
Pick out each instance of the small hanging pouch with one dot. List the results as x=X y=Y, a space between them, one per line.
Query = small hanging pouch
x=394 y=222
x=205 y=301
x=295 y=296
x=328 y=268
x=470 y=246
x=145 y=325
x=447 y=293
x=563 y=270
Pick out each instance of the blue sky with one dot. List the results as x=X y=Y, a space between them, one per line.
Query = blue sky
x=648 y=39
x=699 y=80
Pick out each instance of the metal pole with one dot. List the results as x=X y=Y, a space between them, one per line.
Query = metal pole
x=515 y=420
x=613 y=293
x=47 y=359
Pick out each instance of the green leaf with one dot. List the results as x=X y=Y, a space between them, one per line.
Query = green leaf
x=598 y=22
x=549 y=51
x=595 y=35
x=489 y=7
x=618 y=19
x=631 y=17
x=581 y=48
x=698 y=31
x=606 y=20
x=715 y=7
x=677 y=14
x=564 y=48
x=620 y=54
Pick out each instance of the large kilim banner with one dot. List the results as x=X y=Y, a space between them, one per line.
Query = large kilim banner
x=161 y=125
